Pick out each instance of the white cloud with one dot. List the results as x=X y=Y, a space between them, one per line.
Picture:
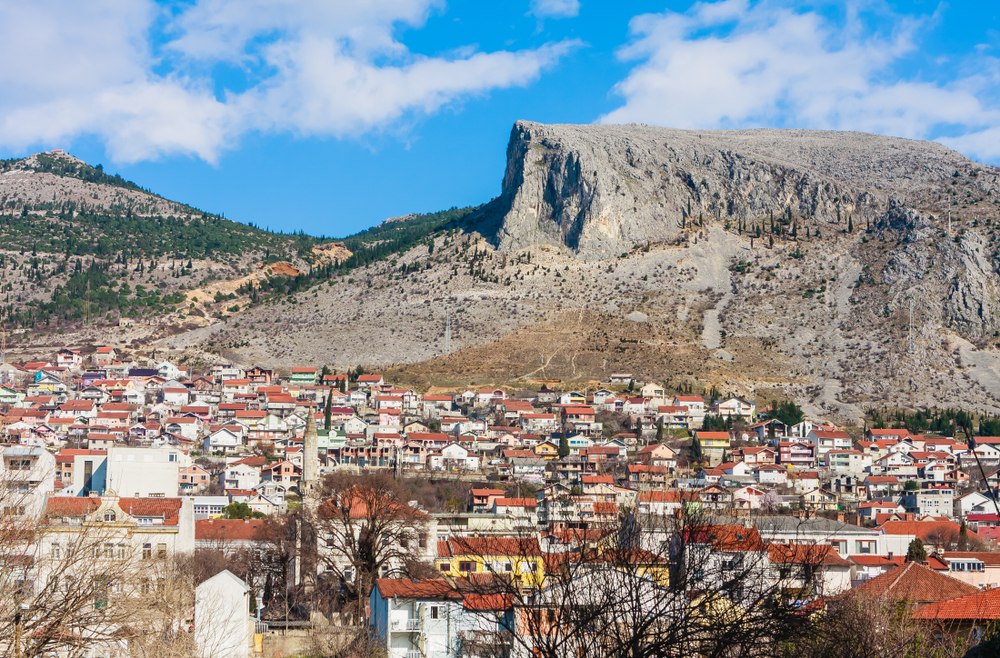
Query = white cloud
x=555 y=8
x=140 y=77
x=741 y=64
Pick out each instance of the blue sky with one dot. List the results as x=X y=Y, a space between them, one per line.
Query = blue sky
x=331 y=115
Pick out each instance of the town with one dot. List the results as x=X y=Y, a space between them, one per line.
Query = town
x=495 y=512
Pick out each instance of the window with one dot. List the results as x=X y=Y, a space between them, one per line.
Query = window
x=444 y=566
x=467 y=567
x=161 y=551
x=865 y=547
x=56 y=551
x=434 y=612
x=422 y=540
x=110 y=516
x=147 y=551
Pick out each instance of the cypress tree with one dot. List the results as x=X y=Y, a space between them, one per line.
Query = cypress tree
x=328 y=416
x=850 y=224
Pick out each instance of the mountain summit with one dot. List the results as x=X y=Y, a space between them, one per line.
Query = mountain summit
x=599 y=190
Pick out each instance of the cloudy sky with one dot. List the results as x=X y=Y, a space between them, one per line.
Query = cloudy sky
x=330 y=115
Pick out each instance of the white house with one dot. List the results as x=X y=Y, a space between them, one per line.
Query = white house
x=827 y=440
x=223 y=627
x=454 y=455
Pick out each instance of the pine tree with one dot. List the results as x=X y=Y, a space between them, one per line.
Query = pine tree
x=916 y=551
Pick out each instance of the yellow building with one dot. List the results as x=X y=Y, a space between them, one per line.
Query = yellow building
x=547 y=450
x=461 y=557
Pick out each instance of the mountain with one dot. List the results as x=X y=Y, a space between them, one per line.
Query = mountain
x=82 y=248
x=766 y=263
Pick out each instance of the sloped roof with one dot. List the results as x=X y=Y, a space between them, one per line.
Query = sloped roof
x=227 y=529
x=486 y=546
x=168 y=508
x=405 y=588
x=981 y=605
x=927 y=531
x=915 y=583
x=806 y=554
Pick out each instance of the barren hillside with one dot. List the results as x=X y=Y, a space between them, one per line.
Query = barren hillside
x=751 y=260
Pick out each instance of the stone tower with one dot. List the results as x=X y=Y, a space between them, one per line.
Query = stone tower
x=309 y=484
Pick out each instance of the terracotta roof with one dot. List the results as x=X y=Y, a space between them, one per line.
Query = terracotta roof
x=228 y=529
x=666 y=496
x=727 y=537
x=487 y=492
x=486 y=546
x=487 y=601
x=915 y=583
x=415 y=589
x=988 y=558
x=878 y=560
x=806 y=554
x=516 y=502
x=168 y=508
x=927 y=531
x=982 y=605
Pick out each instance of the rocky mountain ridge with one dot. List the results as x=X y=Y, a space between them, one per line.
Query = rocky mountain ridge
x=599 y=190
x=766 y=263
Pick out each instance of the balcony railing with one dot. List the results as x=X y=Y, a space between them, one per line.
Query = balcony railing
x=405 y=625
x=414 y=654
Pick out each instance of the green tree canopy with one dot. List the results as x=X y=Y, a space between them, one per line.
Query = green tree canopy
x=916 y=551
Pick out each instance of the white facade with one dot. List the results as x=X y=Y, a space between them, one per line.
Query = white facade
x=142 y=472
x=223 y=627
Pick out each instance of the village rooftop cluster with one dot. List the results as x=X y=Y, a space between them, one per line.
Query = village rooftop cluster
x=169 y=454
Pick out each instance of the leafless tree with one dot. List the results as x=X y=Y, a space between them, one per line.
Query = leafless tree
x=366 y=531
x=857 y=625
x=656 y=585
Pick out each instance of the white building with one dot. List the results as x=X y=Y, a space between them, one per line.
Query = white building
x=223 y=627
x=142 y=472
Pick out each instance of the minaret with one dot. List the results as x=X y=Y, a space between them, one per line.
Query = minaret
x=309 y=484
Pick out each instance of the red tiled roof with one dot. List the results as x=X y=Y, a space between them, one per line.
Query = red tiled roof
x=927 y=531
x=979 y=606
x=487 y=601
x=806 y=554
x=168 y=508
x=915 y=583
x=516 y=502
x=487 y=546
x=228 y=529
x=415 y=589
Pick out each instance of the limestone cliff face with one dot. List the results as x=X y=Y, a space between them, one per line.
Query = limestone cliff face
x=600 y=190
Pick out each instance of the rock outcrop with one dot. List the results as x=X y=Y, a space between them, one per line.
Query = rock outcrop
x=600 y=190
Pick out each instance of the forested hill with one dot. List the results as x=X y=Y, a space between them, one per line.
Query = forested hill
x=80 y=247
x=57 y=204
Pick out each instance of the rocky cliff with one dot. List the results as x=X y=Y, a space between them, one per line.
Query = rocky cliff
x=600 y=190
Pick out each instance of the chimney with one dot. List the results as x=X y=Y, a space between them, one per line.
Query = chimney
x=840 y=516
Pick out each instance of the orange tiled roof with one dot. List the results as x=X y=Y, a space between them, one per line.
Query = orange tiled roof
x=915 y=583
x=982 y=605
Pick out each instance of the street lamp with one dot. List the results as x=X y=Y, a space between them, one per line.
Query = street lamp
x=17 y=629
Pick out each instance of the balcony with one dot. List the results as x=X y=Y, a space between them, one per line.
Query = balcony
x=405 y=625
x=414 y=654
